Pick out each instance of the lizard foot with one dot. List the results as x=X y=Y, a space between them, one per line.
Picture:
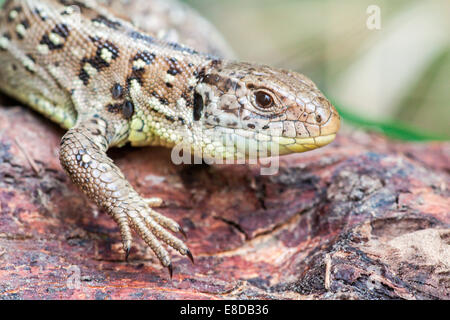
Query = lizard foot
x=83 y=156
x=153 y=227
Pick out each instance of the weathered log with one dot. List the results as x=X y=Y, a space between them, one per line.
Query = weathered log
x=363 y=218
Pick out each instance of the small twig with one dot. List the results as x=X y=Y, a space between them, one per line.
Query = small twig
x=327 y=271
x=28 y=157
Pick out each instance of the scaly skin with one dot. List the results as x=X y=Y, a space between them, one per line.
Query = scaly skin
x=110 y=83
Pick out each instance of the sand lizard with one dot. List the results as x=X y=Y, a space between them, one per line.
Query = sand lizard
x=110 y=82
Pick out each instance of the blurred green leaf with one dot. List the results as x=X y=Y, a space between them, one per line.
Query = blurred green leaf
x=395 y=130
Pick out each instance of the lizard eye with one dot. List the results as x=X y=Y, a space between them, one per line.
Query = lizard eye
x=263 y=99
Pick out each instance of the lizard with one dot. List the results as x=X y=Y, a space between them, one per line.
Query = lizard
x=109 y=82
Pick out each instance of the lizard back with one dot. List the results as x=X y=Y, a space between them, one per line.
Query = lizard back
x=65 y=58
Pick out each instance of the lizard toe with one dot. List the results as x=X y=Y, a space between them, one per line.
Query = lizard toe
x=163 y=234
x=154 y=202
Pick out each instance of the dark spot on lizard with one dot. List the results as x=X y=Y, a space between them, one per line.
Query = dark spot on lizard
x=170 y=118
x=212 y=79
x=117 y=91
x=174 y=67
x=107 y=22
x=98 y=62
x=181 y=48
x=229 y=85
x=94 y=38
x=7 y=35
x=185 y=96
x=83 y=76
x=77 y=3
x=198 y=106
x=25 y=23
x=169 y=85
x=114 y=108
x=215 y=63
x=65 y=12
x=145 y=56
x=46 y=41
x=265 y=127
x=79 y=154
x=173 y=71
x=200 y=74
x=140 y=36
x=62 y=30
x=251 y=125
x=128 y=109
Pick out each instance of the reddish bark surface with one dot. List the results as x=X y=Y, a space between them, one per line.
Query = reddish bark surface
x=363 y=218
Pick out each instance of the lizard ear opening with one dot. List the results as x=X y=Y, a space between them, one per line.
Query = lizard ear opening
x=198 y=106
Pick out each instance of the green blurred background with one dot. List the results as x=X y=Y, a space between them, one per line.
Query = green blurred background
x=395 y=79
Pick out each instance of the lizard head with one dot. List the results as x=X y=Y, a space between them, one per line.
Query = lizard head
x=253 y=110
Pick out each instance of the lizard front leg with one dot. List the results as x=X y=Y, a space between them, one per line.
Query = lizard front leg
x=83 y=156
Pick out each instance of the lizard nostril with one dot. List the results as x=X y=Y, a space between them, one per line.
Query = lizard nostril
x=318 y=118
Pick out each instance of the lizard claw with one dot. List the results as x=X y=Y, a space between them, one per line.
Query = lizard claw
x=189 y=254
x=169 y=267
x=153 y=227
x=127 y=253
x=180 y=230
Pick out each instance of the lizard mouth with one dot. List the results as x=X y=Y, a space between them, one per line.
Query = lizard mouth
x=282 y=145
x=291 y=145
x=262 y=146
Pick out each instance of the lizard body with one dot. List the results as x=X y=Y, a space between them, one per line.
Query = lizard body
x=110 y=83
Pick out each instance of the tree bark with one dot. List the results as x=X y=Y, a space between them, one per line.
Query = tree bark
x=363 y=218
